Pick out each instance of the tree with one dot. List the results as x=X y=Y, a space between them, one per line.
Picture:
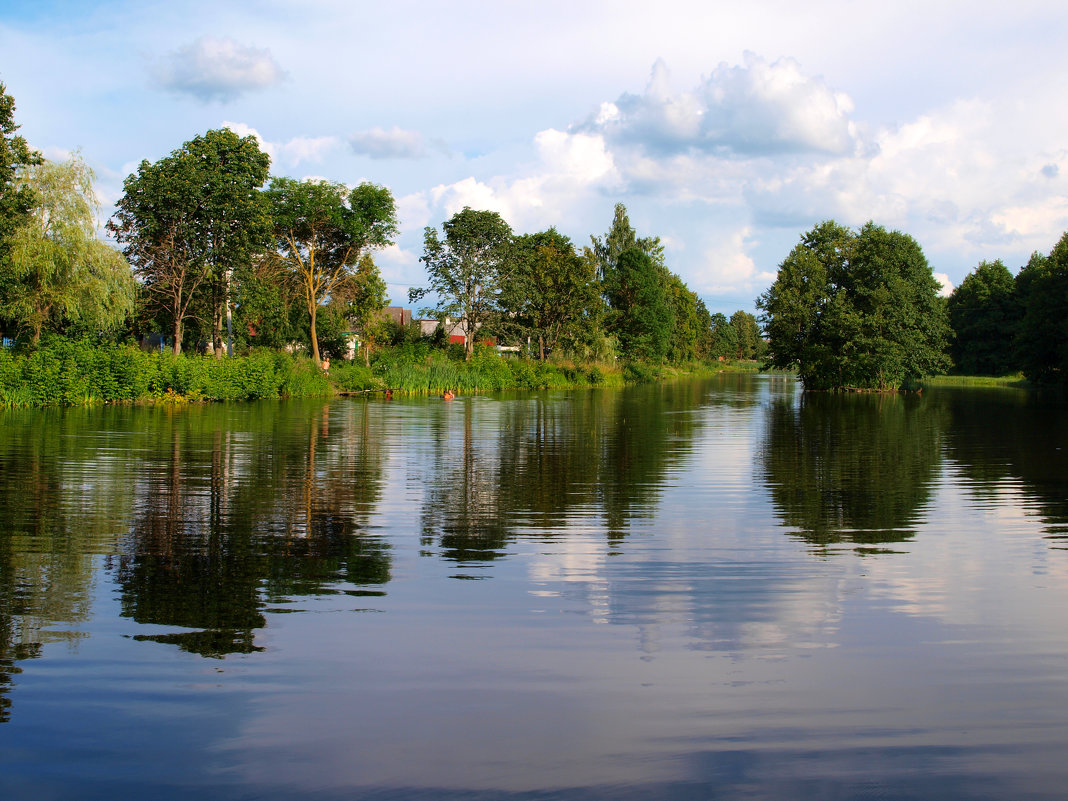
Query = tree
x=747 y=335
x=984 y=314
x=686 y=337
x=724 y=338
x=855 y=310
x=191 y=218
x=363 y=303
x=552 y=291
x=1042 y=342
x=641 y=315
x=467 y=268
x=61 y=274
x=323 y=229
x=16 y=199
x=638 y=289
x=621 y=236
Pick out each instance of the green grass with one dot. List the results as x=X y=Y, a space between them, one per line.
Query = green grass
x=1016 y=381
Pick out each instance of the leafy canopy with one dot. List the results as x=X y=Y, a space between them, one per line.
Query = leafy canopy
x=323 y=229
x=855 y=310
x=467 y=268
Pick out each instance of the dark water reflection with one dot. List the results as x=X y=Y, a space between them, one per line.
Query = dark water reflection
x=715 y=589
x=853 y=468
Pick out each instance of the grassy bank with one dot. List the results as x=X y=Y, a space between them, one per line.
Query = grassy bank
x=76 y=373
x=1016 y=381
x=424 y=370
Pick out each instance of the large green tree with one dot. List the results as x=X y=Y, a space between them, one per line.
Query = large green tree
x=855 y=310
x=16 y=199
x=467 y=268
x=1042 y=341
x=640 y=292
x=61 y=276
x=323 y=229
x=984 y=314
x=551 y=295
x=187 y=221
x=748 y=344
x=641 y=314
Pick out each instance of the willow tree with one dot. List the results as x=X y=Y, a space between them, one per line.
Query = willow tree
x=323 y=229
x=60 y=275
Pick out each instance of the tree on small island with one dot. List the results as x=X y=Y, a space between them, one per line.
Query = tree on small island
x=855 y=310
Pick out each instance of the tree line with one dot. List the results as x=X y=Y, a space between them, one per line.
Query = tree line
x=212 y=249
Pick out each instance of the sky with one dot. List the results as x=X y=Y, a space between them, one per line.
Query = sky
x=727 y=129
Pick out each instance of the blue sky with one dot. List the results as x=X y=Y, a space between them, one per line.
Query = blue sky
x=726 y=130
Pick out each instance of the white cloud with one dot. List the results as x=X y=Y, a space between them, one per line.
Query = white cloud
x=728 y=266
x=755 y=108
x=395 y=143
x=947 y=285
x=292 y=153
x=570 y=168
x=217 y=69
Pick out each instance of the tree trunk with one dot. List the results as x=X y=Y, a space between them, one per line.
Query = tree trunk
x=177 y=349
x=312 y=308
x=216 y=330
x=541 y=347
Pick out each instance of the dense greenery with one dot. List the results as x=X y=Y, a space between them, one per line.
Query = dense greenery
x=81 y=372
x=984 y=314
x=855 y=310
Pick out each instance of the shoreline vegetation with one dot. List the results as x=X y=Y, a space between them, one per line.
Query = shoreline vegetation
x=63 y=372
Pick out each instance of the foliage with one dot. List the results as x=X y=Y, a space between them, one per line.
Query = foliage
x=747 y=341
x=61 y=276
x=855 y=310
x=362 y=301
x=80 y=372
x=640 y=313
x=984 y=315
x=16 y=198
x=724 y=338
x=552 y=294
x=323 y=229
x=467 y=268
x=1042 y=342
x=189 y=219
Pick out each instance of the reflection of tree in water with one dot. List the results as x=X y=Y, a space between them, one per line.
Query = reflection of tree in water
x=55 y=522
x=852 y=467
x=996 y=435
x=278 y=519
x=546 y=459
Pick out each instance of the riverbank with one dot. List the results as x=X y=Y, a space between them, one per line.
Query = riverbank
x=81 y=373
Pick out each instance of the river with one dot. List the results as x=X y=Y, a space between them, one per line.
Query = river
x=702 y=590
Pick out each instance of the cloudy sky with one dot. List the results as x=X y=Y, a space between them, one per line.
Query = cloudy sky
x=727 y=129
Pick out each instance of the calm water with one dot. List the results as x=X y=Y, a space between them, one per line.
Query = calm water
x=708 y=590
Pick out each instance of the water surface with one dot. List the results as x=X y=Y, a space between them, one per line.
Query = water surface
x=713 y=589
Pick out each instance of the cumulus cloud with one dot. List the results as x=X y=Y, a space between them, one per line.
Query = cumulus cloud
x=570 y=167
x=947 y=285
x=212 y=69
x=729 y=267
x=395 y=143
x=290 y=153
x=754 y=108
